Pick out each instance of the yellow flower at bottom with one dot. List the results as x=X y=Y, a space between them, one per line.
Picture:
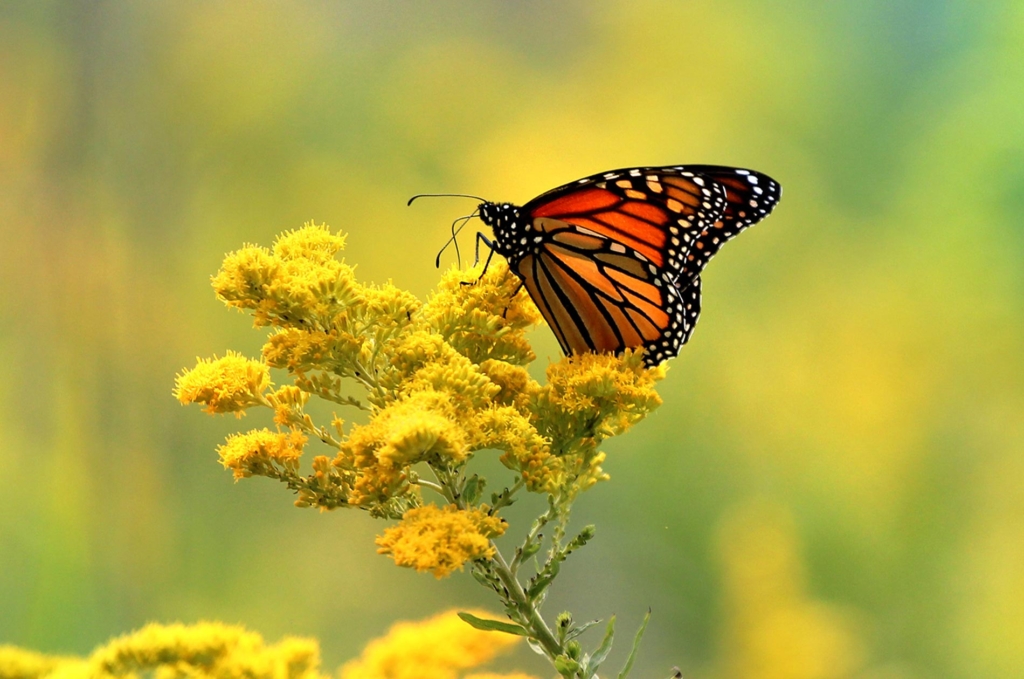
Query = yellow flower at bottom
x=210 y=649
x=205 y=649
x=436 y=648
x=439 y=540
x=441 y=647
x=17 y=663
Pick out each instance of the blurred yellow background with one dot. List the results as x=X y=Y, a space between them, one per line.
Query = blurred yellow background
x=834 y=486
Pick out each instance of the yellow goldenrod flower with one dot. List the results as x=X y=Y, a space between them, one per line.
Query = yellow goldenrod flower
x=591 y=397
x=440 y=382
x=440 y=647
x=526 y=451
x=258 y=451
x=436 y=648
x=455 y=375
x=516 y=387
x=314 y=242
x=206 y=649
x=390 y=307
x=440 y=540
x=16 y=663
x=483 y=319
x=421 y=427
x=226 y=385
x=244 y=278
x=443 y=380
x=300 y=284
x=288 y=402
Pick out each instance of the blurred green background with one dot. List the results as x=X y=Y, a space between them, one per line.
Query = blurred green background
x=834 y=486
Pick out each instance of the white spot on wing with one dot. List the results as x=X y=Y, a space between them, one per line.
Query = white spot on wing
x=580 y=229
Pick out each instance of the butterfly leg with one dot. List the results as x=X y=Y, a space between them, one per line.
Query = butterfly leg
x=522 y=282
x=490 y=246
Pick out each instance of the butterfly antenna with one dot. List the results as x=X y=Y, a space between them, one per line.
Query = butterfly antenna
x=453 y=240
x=445 y=195
x=456 y=232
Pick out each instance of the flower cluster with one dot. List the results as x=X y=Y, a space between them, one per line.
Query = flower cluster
x=206 y=649
x=441 y=381
x=230 y=384
x=441 y=647
x=440 y=540
x=262 y=452
x=435 y=648
x=429 y=385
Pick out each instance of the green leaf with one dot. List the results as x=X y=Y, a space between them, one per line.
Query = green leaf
x=538 y=584
x=502 y=499
x=605 y=647
x=494 y=625
x=584 y=536
x=481 y=578
x=531 y=549
x=473 y=488
x=576 y=631
x=636 y=647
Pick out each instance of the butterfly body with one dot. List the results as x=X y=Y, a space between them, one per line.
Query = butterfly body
x=613 y=261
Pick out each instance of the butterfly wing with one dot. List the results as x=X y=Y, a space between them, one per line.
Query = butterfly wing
x=617 y=256
x=750 y=197
x=658 y=212
x=598 y=295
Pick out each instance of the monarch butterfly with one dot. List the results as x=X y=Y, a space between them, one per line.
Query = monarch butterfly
x=613 y=261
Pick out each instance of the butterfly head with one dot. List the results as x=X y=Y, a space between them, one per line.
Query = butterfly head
x=506 y=221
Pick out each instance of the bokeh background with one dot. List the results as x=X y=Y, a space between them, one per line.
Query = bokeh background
x=834 y=486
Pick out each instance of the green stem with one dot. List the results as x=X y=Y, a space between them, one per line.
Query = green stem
x=362 y=375
x=562 y=514
x=528 y=611
x=445 y=486
x=538 y=524
x=432 y=486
